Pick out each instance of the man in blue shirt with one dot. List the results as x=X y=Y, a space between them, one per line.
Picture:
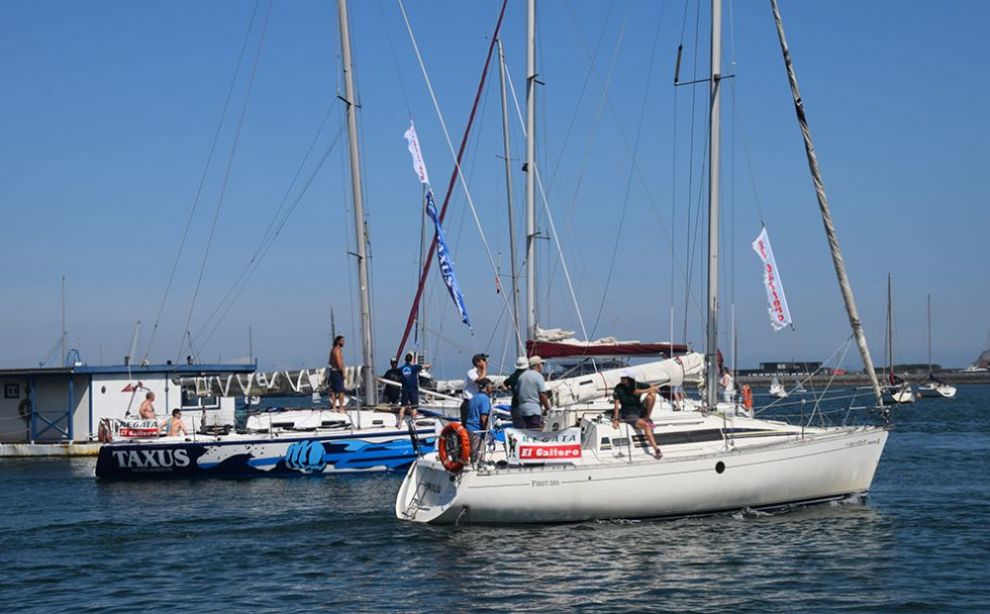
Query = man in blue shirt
x=478 y=409
x=410 y=388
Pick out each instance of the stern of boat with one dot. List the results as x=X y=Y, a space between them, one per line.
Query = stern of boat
x=427 y=492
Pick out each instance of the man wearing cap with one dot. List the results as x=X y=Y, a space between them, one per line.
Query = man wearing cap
x=532 y=392
x=478 y=371
x=476 y=423
x=510 y=383
x=394 y=374
x=410 y=388
x=630 y=408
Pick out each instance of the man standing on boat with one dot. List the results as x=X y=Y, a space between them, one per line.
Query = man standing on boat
x=532 y=393
x=147 y=409
x=394 y=374
x=478 y=371
x=337 y=373
x=630 y=408
x=410 y=388
x=479 y=407
x=510 y=384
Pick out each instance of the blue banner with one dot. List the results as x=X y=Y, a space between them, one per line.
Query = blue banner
x=445 y=262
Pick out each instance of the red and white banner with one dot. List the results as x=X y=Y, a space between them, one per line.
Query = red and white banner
x=130 y=429
x=529 y=447
x=418 y=164
x=780 y=315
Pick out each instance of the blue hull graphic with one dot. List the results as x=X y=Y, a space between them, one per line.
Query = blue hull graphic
x=251 y=456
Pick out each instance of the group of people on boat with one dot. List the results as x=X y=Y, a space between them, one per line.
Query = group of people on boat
x=172 y=427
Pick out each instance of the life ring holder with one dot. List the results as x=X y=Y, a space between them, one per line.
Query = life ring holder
x=454 y=447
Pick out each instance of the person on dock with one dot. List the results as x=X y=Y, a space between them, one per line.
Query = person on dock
x=410 y=389
x=478 y=371
x=174 y=426
x=394 y=374
x=532 y=391
x=479 y=407
x=337 y=373
x=510 y=384
x=630 y=407
x=147 y=409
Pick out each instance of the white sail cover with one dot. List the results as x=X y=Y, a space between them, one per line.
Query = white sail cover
x=672 y=371
x=780 y=315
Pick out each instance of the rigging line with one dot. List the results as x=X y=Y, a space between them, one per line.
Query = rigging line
x=202 y=181
x=395 y=58
x=584 y=89
x=253 y=265
x=689 y=265
x=546 y=208
x=269 y=236
x=453 y=176
x=453 y=154
x=226 y=175
x=629 y=179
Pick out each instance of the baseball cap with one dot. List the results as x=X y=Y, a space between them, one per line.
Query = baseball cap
x=477 y=357
x=483 y=383
x=535 y=360
x=629 y=373
x=522 y=362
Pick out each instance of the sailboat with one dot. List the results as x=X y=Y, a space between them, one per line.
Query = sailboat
x=897 y=389
x=317 y=441
x=713 y=461
x=777 y=389
x=933 y=387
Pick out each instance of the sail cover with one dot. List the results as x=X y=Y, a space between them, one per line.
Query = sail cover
x=780 y=315
x=578 y=349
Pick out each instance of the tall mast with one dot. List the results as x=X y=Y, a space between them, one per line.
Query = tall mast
x=350 y=99
x=890 y=326
x=531 y=169
x=929 y=336
x=520 y=347
x=64 y=355
x=711 y=351
x=833 y=240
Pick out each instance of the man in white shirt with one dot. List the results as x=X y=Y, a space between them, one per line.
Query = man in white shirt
x=477 y=372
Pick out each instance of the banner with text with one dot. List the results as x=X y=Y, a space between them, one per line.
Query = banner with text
x=780 y=315
x=527 y=447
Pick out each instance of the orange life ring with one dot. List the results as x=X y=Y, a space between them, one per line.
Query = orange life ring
x=454 y=447
x=747 y=396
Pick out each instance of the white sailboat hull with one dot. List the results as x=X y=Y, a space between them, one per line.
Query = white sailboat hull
x=936 y=391
x=821 y=466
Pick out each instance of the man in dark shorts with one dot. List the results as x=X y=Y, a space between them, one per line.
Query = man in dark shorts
x=337 y=373
x=394 y=374
x=410 y=388
x=630 y=408
x=479 y=407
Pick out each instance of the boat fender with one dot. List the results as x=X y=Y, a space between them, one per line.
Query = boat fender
x=747 y=396
x=454 y=447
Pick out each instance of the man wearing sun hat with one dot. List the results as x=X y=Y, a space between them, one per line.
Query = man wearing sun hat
x=510 y=383
x=532 y=392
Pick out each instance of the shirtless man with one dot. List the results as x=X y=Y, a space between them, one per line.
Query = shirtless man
x=337 y=373
x=174 y=426
x=147 y=409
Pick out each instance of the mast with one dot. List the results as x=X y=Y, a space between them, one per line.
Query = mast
x=520 y=346
x=711 y=350
x=531 y=323
x=929 y=336
x=421 y=308
x=833 y=240
x=350 y=99
x=64 y=355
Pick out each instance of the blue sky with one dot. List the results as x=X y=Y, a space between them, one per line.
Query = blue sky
x=109 y=109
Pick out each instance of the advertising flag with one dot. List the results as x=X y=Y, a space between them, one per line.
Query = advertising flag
x=780 y=315
x=445 y=261
x=417 y=155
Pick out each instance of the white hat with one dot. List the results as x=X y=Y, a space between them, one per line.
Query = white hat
x=629 y=373
x=535 y=360
x=522 y=362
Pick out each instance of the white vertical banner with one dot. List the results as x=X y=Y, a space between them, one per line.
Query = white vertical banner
x=780 y=315
x=418 y=165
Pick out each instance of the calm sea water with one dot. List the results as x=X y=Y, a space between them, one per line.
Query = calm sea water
x=921 y=542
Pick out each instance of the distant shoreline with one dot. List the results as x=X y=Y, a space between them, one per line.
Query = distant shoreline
x=860 y=379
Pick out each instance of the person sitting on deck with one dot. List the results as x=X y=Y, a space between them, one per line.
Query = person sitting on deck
x=174 y=426
x=147 y=409
x=631 y=409
x=479 y=407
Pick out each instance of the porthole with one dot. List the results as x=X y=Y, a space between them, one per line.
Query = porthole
x=719 y=467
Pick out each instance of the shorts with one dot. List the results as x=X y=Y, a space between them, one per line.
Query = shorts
x=517 y=419
x=630 y=418
x=410 y=398
x=336 y=381
x=477 y=443
x=532 y=422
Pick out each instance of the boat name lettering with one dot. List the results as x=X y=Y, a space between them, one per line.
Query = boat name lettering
x=151 y=459
x=542 y=483
x=550 y=452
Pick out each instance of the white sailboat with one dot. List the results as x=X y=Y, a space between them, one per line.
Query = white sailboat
x=897 y=389
x=713 y=460
x=777 y=389
x=934 y=387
